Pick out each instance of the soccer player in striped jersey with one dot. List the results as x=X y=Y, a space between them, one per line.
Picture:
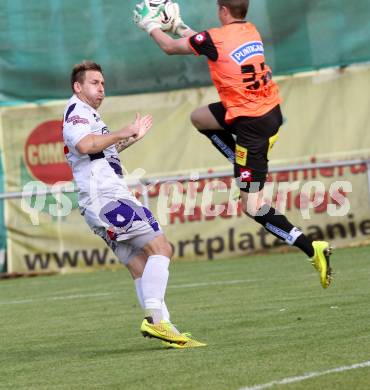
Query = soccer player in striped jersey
x=109 y=207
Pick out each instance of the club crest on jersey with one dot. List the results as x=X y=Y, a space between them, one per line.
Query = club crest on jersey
x=247 y=50
x=200 y=38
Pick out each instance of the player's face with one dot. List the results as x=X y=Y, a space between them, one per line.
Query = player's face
x=91 y=90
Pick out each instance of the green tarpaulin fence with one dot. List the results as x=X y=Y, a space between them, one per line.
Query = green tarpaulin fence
x=41 y=40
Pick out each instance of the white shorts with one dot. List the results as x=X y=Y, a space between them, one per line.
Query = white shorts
x=124 y=224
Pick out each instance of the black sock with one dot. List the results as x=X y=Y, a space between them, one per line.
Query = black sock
x=278 y=225
x=305 y=244
x=223 y=141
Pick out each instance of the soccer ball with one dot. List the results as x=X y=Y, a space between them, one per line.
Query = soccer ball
x=157 y=3
x=167 y=12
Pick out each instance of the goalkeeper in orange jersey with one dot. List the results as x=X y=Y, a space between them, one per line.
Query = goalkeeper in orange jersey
x=244 y=124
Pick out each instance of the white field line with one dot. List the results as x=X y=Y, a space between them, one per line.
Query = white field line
x=306 y=376
x=220 y=283
x=60 y=298
x=94 y=295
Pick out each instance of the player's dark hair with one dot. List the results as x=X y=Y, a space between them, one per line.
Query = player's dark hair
x=79 y=71
x=238 y=8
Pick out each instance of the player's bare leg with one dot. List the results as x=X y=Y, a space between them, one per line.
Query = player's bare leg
x=203 y=119
x=136 y=266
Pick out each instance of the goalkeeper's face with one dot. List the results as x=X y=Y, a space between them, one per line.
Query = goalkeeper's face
x=91 y=89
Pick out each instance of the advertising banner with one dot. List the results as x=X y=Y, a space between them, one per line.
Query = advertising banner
x=324 y=121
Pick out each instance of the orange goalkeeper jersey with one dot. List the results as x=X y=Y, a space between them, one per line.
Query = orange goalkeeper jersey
x=238 y=70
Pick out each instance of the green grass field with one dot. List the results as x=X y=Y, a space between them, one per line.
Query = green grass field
x=265 y=318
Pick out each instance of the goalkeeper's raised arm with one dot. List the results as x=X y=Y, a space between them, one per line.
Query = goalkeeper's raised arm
x=169 y=45
x=162 y=17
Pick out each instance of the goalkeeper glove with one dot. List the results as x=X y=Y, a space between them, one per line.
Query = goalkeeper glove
x=178 y=27
x=145 y=18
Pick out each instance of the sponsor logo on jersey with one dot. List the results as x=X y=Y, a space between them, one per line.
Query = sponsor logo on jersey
x=76 y=119
x=246 y=51
x=241 y=155
x=245 y=175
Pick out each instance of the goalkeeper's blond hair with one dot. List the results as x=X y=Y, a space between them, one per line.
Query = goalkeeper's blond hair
x=238 y=8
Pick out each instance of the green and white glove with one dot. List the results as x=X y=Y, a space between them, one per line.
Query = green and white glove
x=145 y=18
x=178 y=26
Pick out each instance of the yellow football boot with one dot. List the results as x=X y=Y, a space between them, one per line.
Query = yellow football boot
x=161 y=331
x=191 y=343
x=320 y=261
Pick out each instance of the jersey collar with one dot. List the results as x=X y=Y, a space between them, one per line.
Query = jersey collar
x=238 y=22
x=77 y=99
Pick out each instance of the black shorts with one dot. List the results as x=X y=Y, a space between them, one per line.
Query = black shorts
x=255 y=136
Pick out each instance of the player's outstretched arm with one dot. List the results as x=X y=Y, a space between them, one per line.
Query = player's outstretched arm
x=92 y=143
